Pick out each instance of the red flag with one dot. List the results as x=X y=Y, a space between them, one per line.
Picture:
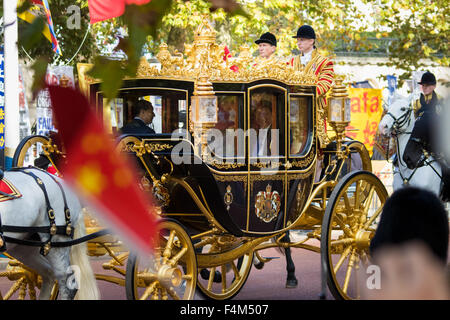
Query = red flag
x=98 y=172
x=100 y=10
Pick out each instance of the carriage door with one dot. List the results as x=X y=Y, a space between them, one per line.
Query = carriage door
x=301 y=152
x=266 y=156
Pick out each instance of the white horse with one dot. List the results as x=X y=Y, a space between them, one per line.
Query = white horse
x=30 y=210
x=399 y=123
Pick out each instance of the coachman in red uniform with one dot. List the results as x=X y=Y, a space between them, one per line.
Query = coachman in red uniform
x=310 y=61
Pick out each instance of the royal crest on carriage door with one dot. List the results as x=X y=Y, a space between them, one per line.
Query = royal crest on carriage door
x=268 y=204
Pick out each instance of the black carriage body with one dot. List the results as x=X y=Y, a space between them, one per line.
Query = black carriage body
x=247 y=193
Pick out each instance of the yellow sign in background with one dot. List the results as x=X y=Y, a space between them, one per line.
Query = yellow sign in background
x=366 y=111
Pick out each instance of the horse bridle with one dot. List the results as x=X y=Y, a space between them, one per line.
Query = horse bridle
x=400 y=121
x=396 y=128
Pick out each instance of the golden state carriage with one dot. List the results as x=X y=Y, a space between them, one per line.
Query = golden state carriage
x=221 y=199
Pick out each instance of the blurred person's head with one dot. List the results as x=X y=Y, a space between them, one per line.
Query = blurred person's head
x=263 y=114
x=413 y=214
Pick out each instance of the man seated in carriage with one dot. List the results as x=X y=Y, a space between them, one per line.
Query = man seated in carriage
x=263 y=145
x=144 y=115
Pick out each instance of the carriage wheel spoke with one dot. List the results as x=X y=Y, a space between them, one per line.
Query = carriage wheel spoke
x=177 y=257
x=164 y=294
x=148 y=291
x=173 y=293
x=223 y=269
x=237 y=276
x=14 y=288
x=364 y=259
x=22 y=291
x=146 y=277
x=344 y=228
x=373 y=217
x=357 y=191
x=344 y=242
x=212 y=272
x=358 y=295
x=351 y=262
x=157 y=258
x=342 y=259
x=32 y=291
x=168 y=250
x=186 y=277
x=347 y=202
x=368 y=200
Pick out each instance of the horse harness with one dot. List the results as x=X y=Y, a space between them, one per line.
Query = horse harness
x=400 y=122
x=396 y=130
x=52 y=229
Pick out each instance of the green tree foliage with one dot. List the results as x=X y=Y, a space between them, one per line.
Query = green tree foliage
x=419 y=30
x=142 y=22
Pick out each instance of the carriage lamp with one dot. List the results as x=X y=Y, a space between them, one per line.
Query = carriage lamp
x=204 y=112
x=339 y=111
x=204 y=105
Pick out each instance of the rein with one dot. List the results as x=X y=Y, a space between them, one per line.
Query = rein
x=56 y=244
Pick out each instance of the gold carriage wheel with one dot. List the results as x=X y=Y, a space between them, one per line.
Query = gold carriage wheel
x=233 y=276
x=25 y=283
x=350 y=221
x=170 y=273
x=24 y=147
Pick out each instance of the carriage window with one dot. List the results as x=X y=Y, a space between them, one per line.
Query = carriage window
x=117 y=112
x=267 y=107
x=228 y=140
x=157 y=109
x=298 y=124
x=228 y=112
x=169 y=108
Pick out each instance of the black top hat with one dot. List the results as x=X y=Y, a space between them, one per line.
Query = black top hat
x=267 y=38
x=428 y=78
x=305 y=31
